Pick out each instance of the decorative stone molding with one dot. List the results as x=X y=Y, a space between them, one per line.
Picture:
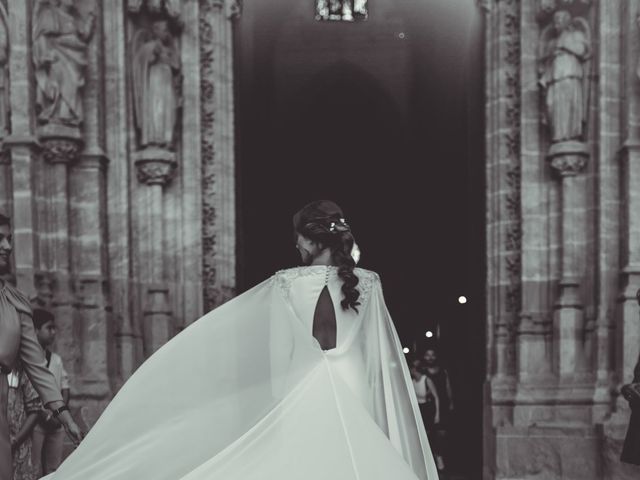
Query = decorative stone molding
x=569 y=158
x=61 y=150
x=155 y=166
x=93 y=158
x=511 y=141
x=234 y=9
x=208 y=10
x=568 y=165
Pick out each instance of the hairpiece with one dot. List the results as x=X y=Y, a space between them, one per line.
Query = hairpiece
x=340 y=226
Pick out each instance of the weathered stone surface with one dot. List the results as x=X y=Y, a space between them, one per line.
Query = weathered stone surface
x=107 y=201
x=564 y=254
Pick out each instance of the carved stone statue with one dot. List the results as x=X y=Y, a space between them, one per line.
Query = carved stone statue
x=563 y=50
x=156 y=65
x=60 y=39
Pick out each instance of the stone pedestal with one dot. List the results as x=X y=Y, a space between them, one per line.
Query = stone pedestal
x=551 y=453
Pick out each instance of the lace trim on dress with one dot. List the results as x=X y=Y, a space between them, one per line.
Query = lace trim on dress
x=285 y=278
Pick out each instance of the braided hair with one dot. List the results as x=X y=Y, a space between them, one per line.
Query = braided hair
x=323 y=222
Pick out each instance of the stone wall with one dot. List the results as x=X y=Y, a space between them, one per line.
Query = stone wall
x=117 y=167
x=563 y=246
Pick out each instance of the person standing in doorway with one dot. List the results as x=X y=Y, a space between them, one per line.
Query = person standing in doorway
x=426 y=395
x=440 y=379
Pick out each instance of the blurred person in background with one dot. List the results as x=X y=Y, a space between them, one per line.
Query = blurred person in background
x=440 y=379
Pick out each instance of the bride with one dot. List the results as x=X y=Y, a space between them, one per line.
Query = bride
x=300 y=377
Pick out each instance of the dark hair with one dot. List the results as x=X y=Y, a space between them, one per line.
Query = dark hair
x=41 y=317
x=4 y=220
x=432 y=348
x=323 y=222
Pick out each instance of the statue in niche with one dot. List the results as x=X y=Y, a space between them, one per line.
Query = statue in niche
x=60 y=39
x=563 y=50
x=156 y=68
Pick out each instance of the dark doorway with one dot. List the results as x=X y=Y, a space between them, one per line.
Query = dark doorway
x=378 y=116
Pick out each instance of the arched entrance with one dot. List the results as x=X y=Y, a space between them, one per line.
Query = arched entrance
x=376 y=117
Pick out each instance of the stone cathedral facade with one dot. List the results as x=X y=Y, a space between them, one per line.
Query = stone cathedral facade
x=563 y=235
x=117 y=168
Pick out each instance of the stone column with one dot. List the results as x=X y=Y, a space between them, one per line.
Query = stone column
x=88 y=242
x=610 y=136
x=156 y=74
x=535 y=378
x=569 y=159
x=503 y=204
x=218 y=185
x=155 y=169
x=22 y=146
x=127 y=346
x=61 y=146
x=628 y=326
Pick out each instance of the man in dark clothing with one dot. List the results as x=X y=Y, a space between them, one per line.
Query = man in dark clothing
x=631 y=448
x=440 y=379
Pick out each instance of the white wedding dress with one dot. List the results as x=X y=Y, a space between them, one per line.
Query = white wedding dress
x=247 y=393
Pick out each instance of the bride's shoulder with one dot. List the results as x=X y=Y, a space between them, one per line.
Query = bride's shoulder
x=361 y=273
x=364 y=274
x=298 y=271
x=287 y=275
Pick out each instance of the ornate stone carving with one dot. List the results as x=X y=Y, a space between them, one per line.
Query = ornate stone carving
x=511 y=140
x=155 y=166
x=567 y=165
x=61 y=150
x=207 y=112
x=563 y=50
x=234 y=9
x=156 y=69
x=60 y=39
